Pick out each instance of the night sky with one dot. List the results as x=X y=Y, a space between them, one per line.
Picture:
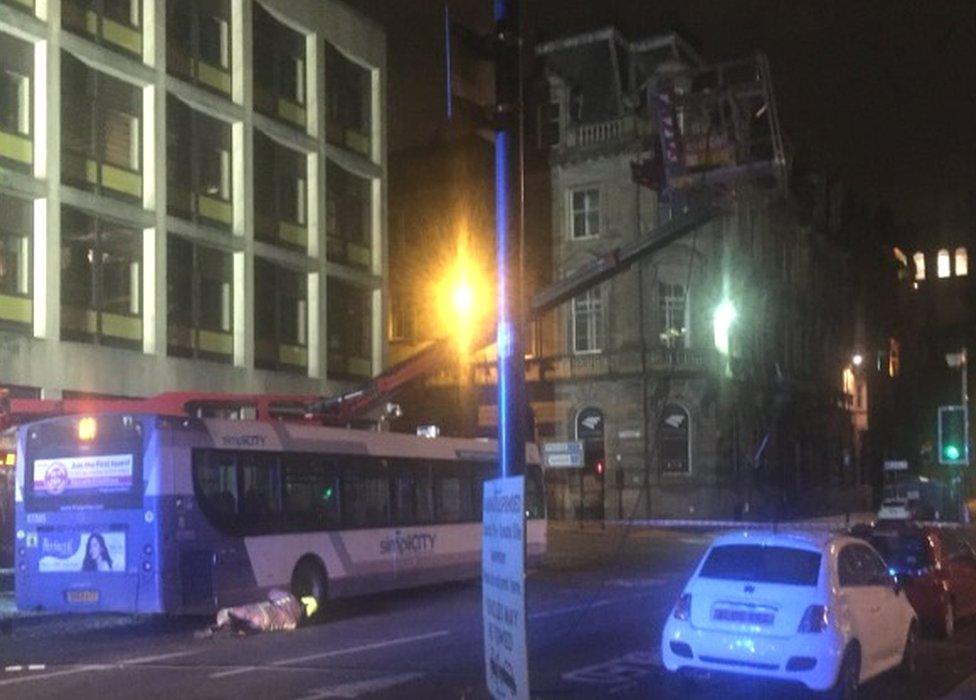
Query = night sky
x=878 y=93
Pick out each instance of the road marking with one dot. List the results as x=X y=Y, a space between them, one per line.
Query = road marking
x=14 y=668
x=55 y=674
x=94 y=667
x=334 y=652
x=157 y=657
x=357 y=688
x=578 y=608
x=624 y=669
x=636 y=582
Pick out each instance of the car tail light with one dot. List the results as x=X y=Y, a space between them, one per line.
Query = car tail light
x=682 y=609
x=814 y=619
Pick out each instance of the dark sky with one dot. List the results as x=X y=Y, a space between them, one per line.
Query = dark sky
x=878 y=93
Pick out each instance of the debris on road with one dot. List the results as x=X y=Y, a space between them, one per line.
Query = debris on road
x=281 y=612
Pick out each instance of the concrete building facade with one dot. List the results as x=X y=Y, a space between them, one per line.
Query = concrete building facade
x=192 y=196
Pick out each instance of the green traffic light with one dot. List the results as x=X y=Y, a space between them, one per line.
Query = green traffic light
x=951 y=452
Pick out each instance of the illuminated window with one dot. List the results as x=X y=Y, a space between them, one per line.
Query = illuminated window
x=919 y=260
x=962 y=262
x=942 y=267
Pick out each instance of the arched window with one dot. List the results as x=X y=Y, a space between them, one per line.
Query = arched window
x=919 y=260
x=942 y=263
x=962 y=262
x=675 y=440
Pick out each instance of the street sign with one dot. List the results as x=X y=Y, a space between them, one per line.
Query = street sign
x=503 y=588
x=562 y=455
x=895 y=465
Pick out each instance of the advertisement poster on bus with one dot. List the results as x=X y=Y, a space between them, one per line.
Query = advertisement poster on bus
x=73 y=550
x=73 y=475
x=503 y=589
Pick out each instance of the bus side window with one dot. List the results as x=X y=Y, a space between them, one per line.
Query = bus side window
x=425 y=496
x=404 y=493
x=365 y=495
x=452 y=490
x=260 y=485
x=310 y=491
x=216 y=478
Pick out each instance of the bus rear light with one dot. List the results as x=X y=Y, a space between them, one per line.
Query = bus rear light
x=146 y=566
x=148 y=550
x=87 y=429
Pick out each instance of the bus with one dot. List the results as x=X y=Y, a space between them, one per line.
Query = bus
x=147 y=513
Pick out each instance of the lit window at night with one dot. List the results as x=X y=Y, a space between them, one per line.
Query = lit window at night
x=962 y=262
x=943 y=264
x=919 y=260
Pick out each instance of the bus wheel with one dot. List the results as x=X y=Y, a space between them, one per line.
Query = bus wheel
x=310 y=580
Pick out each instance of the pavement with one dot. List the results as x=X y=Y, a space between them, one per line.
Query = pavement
x=595 y=611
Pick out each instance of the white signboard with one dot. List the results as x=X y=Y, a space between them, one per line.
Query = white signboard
x=562 y=455
x=65 y=475
x=895 y=465
x=503 y=588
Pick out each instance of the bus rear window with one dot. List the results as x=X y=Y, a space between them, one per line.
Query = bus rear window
x=762 y=564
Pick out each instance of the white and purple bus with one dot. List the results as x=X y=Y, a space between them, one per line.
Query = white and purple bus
x=143 y=513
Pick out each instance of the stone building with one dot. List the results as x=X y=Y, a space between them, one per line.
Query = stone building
x=710 y=375
x=192 y=196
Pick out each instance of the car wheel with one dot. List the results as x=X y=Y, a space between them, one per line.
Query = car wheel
x=910 y=656
x=848 y=677
x=948 y=620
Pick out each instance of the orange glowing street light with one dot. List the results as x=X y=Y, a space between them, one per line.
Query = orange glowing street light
x=463 y=296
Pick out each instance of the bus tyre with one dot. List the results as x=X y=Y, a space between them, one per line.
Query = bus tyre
x=310 y=579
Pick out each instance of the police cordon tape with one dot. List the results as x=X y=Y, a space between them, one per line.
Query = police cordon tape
x=838 y=523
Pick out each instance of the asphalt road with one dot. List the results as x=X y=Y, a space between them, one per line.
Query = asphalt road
x=595 y=615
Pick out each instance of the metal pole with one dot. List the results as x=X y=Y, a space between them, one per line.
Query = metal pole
x=512 y=416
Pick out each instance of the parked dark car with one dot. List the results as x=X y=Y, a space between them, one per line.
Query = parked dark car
x=936 y=566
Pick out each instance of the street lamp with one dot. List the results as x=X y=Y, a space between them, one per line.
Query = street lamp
x=858 y=359
x=725 y=315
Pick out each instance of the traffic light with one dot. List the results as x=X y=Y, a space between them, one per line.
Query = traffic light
x=953 y=436
x=594 y=456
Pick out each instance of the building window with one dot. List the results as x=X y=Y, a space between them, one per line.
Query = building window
x=24 y=5
x=198 y=42
x=962 y=262
x=401 y=318
x=674 y=438
x=16 y=67
x=588 y=321
x=279 y=69
x=942 y=262
x=673 y=308
x=919 y=260
x=101 y=279
x=280 y=194
x=100 y=131
x=200 y=301
x=348 y=222
x=113 y=23
x=585 y=213
x=549 y=125
x=348 y=102
x=198 y=166
x=16 y=221
x=280 y=317
x=349 y=323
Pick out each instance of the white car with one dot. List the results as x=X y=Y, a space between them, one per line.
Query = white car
x=817 y=609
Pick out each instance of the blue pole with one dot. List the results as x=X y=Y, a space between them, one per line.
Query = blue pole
x=511 y=374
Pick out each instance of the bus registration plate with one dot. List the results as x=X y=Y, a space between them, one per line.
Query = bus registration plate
x=82 y=596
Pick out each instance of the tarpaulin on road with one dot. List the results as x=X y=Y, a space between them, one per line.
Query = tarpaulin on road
x=281 y=612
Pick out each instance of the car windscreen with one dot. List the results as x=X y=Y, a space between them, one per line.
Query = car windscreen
x=902 y=551
x=762 y=564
